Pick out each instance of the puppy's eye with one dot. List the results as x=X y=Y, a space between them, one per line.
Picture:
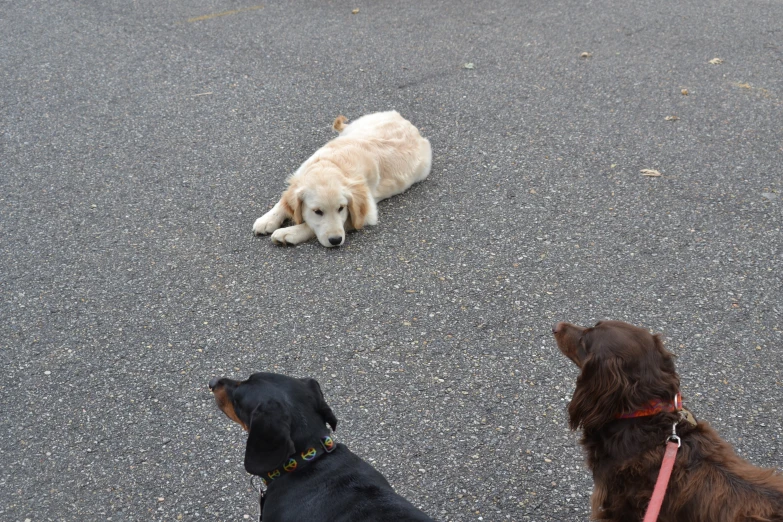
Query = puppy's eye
x=319 y=212
x=340 y=209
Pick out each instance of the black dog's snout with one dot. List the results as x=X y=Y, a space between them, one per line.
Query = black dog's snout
x=213 y=382
x=335 y=240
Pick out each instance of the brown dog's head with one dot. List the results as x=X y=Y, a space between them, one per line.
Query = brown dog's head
x=623 y=368
x=281 y=415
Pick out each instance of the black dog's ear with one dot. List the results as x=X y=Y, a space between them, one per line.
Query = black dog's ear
x=269 y=441
x=321 y=407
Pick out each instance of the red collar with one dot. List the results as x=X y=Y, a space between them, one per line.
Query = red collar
x=653 y=407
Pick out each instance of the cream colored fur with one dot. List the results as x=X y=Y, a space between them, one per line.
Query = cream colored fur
x=336 y=189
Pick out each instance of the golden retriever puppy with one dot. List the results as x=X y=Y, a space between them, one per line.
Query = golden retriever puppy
x=336 y=189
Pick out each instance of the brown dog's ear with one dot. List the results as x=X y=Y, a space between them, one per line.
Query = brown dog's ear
x=668 y=357
x=664 y=379
x=600 y=392
x=581 y=353
x=269 y=441
x=359 y=205
x=615 y=379
x=322 y=408
x=292 y=201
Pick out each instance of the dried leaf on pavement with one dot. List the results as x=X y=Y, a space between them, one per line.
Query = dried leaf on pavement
x=650 y=172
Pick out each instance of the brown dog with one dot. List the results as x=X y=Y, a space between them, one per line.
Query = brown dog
x=625 y=404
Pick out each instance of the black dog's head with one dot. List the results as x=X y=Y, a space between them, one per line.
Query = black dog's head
x=280 y=413
x=623 y=367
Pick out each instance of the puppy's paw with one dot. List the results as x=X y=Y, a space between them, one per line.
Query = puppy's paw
x=266 y=224
x=281 y=237
x=292 y=235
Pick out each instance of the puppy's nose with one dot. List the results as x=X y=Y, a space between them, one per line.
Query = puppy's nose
x=335 y=240
x=556 y=328
x=213 y=382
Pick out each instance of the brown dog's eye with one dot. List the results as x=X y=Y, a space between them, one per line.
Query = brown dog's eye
x=319 y=212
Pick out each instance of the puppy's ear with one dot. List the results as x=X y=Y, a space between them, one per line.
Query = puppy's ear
x=322 y=408
x=359 y=204
x=269 y=441
x=292 y=200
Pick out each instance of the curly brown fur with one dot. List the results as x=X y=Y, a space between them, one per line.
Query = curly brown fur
x=623 y=368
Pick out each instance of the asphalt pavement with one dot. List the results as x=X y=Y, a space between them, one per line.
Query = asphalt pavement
x=140 y=140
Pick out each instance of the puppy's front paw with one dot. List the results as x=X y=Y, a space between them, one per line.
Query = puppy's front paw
x=281 y=237
x=266 y=224
x=292 y=235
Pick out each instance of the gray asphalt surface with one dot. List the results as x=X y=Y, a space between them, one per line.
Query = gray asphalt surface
x=140 y=140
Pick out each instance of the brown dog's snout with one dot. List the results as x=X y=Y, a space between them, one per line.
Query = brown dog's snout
x=557 y=327
x=213 y=383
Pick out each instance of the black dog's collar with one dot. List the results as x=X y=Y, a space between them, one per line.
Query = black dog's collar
x=301 y=459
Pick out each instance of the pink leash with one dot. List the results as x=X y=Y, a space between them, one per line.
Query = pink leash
x=654 y=507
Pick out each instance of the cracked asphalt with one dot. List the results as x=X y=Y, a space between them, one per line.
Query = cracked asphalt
x=140 y=140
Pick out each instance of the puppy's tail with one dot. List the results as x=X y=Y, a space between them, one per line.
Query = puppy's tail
x=339 y=123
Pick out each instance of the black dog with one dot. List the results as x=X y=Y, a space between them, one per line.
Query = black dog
x=309 y=477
